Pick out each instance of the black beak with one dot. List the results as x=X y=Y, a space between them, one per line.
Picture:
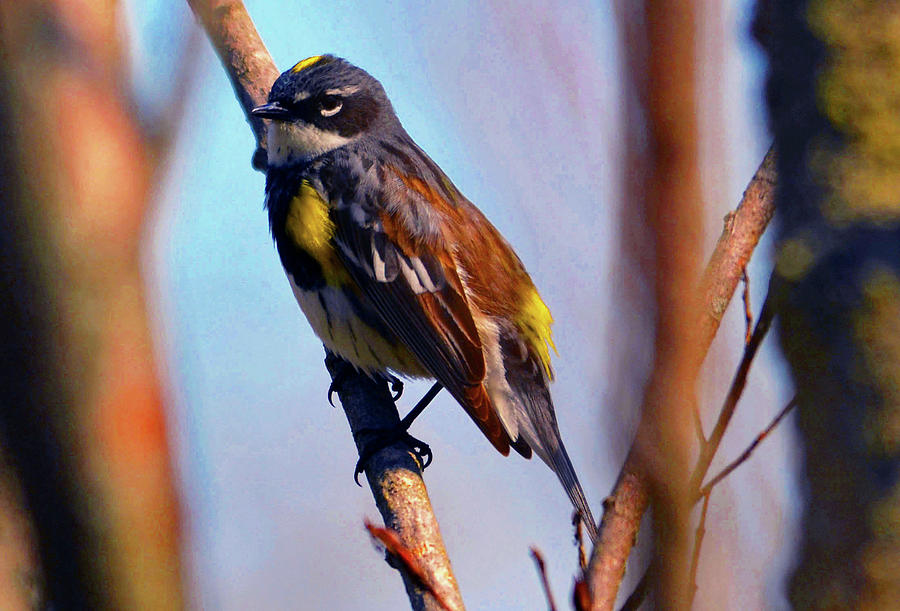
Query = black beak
x=272 y=110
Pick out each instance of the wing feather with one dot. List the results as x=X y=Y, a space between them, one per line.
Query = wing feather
x=418 y=292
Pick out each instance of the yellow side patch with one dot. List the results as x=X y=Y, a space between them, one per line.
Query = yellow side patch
x=306 y=63
x=534 y=322
x=311 y=228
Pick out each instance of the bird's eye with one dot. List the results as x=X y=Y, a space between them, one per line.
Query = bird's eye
x=330 y=106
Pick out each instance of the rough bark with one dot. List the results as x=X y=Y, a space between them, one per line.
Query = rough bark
x=832 y=97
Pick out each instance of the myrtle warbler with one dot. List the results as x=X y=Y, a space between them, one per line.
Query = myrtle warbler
x=396 y=270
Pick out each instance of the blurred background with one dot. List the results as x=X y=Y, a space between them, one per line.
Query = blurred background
x=521 y=104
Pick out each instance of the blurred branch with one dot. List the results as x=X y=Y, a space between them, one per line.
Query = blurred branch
x=109 y=532
x=832 y=100
x=394 y=476
x=661 y=55
x=625 y=507
x=673 y=208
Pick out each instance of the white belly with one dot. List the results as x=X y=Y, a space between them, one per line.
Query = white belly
x=343 y=332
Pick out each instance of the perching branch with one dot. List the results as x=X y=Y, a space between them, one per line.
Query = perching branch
x=393 y=474
x=395 y=478
x=625 y=507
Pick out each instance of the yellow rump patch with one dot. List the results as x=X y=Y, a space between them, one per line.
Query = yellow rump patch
x=534 y=322
x=309 y=225
x=306 y=63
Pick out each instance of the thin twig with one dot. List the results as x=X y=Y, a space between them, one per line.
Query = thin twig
x=708 y=451
x=748 y=312
x=698 y=423
x=542 y=571
x=408 y=560
x=705 y=490
x=698 y=543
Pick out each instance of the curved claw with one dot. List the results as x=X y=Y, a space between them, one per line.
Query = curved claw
x=358 y=471
x=422 y=451
x=332 y=388
x=396 y=387
x=338 y=380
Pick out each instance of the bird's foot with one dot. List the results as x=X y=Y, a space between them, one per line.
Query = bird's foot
x=343 y=370
x=382 y=438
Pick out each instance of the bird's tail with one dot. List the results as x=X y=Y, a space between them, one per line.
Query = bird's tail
x=562 y=466
x=550 y=448
x=537 y=428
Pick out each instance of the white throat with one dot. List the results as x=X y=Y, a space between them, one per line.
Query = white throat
x=292 y=142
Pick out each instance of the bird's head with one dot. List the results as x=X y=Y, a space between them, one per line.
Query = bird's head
x=320 y=104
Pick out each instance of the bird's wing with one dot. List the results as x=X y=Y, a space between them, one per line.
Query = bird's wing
x=394 y=248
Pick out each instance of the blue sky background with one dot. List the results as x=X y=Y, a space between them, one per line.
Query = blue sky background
x=519 y=102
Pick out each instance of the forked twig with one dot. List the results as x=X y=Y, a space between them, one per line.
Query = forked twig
x=708 y=450
x=625 y=507
x=706 y=489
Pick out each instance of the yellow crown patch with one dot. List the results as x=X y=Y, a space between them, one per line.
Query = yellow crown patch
x=309 y=61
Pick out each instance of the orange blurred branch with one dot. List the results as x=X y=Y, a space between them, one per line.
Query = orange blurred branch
x=88 y=167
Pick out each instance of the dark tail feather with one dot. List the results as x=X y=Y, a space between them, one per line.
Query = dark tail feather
x=538 y=429
x=560 y=463
x=536 y=420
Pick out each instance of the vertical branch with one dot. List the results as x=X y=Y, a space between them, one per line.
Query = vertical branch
x=85 y=171
x=673 y=208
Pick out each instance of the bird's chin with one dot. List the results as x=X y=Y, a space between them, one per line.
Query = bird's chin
x=293 y=142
